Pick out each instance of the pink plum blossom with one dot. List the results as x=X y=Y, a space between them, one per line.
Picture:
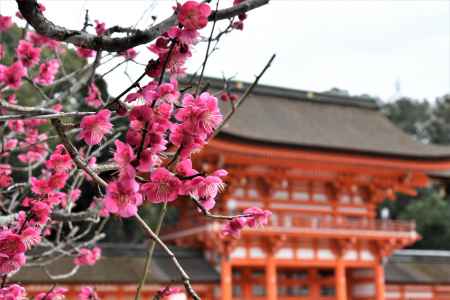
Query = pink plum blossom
x=169 y=293
x=31 y=236
x=88 y=257
x=27 y=54
x=94 y=97
x=124 y=154
x=60 y=160
x=259 y=216
x=12 y=75
x=186 y=36
x=233 y=227
x=94 y=128
x=36 y=150
x=40 y=40
x=55 y=294
x=5 y=175
x=129 y=53
x=147 y=161
x=12 y=252
x=100 y=27
x=206 y=188
x=5 y=23
x=147 y=93
x=194 y=15
x=200 y=115
x=87 y=293
x=85 y=53
x=47 y=72
x=13 y=292
x=47 y=185
x=164 y=187
x=122 y=195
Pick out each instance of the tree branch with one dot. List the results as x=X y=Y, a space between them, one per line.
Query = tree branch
x=73 y=152
x=43 y=26
x=243 y=98
x=186 y=279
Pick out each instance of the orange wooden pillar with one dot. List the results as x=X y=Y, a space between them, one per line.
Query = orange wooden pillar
x=314 y=287
x=271 y=278
x=379 y=281
x=226 y=280
x=341 y=281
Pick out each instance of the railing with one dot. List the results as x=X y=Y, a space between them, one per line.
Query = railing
x=345 y=223
x=290 y=222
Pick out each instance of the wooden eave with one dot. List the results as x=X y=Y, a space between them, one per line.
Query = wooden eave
x=250 y=151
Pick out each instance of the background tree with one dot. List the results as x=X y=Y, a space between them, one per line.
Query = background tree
x=72 y=157
x=429 y=123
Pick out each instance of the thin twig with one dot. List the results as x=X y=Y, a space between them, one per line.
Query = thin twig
x=206 y=213
x=186 y=279
x=132 y=86
x=47 y=116
x=151 y=249
x=205 y=60
x=242 y=98
x=74 y=154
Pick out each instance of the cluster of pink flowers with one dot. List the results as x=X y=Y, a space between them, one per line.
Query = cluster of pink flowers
x=94 y=97
x=27 y=54
x=88 y=257
x=85 y=53
x=100 y=27
x=88 y=293
x=54 y=294
x=12 y=252
x=253 y=217
x=13 y=292
x=94 y=128
x=12 y=75
x=173 y=47
x=42 y=41
x=47 y=72
x=32 y=144
x=5 y=175
x=5 y=23
x=239 y=24
x=166 y=127
x=169 y=293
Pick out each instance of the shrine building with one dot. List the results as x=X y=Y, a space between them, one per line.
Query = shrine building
x=322 y=163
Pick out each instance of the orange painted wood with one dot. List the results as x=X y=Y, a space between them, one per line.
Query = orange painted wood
x=379 y=281
x=341 y=281
x=294 y=156
x=225 y=276
x=271 y=278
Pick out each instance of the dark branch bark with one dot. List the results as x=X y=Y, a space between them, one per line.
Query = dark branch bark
x=43 y=26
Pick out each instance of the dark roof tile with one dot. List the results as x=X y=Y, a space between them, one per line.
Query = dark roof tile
x=320 y=121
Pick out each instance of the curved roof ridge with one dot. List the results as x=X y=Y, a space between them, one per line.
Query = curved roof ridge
x=327 y=97
x=420 y=252
x=321 y=121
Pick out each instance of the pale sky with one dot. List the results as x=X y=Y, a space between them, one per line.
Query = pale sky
x=360 y=46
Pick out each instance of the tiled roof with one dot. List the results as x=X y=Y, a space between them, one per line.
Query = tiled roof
x=124 y=264
x=323 y=121
x=419 y=266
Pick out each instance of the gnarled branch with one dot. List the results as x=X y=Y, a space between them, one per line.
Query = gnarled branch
x=42 y=25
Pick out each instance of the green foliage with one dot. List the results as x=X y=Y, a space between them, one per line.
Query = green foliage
x=432 y=215
x=438 y=129
x=411 y=115
x=430 y=209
